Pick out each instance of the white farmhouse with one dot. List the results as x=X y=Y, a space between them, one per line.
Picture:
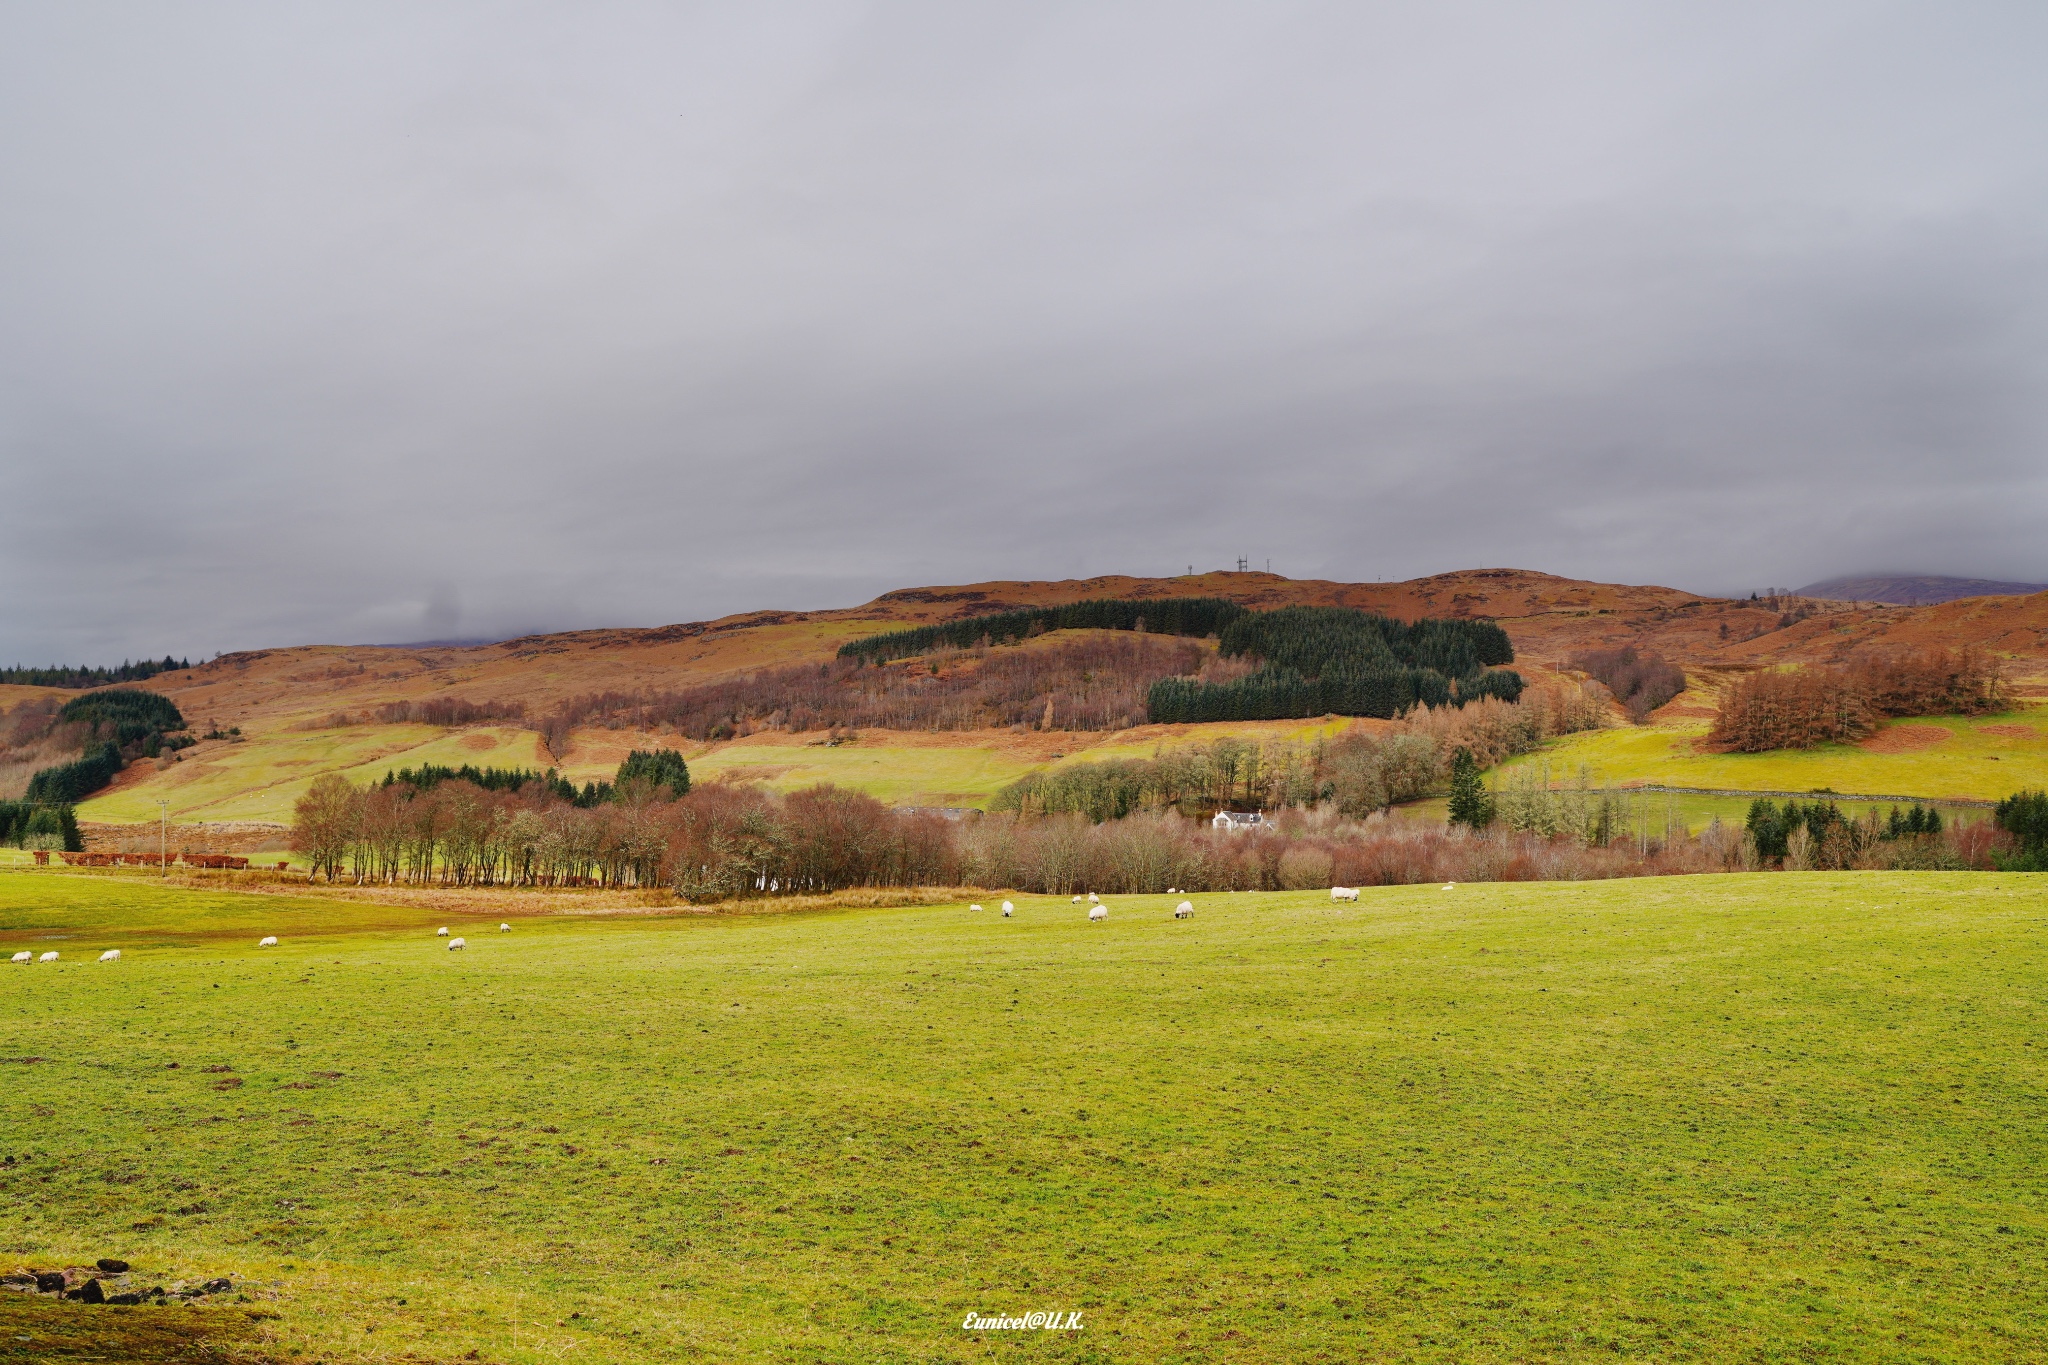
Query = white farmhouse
x=1237 y=821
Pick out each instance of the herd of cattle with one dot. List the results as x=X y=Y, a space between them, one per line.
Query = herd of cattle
x=227 y=861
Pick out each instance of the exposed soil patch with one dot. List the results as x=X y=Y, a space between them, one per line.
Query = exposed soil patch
x=1904 y=739
x=2010 y=731
x=43 y=1328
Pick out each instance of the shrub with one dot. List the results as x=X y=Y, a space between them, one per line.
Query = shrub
x=1640 y=682
x=2024 y=816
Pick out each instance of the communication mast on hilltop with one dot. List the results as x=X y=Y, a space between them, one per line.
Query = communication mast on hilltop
x=1242 y=563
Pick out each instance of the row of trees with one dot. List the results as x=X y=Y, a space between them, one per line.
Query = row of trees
x=1196 y=616
x=1356 y=772
x=1821 y=836
x=62 y=675
x=723 y=842
x=1807 y=707
x=34 y=824
x=491 y=826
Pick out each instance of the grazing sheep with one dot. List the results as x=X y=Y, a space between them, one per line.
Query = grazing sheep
x=270 y=942
x=441 y=932
x=1008 y=908
x=1094 y=899
x=47 y=957
x=1184 y=909
x=1077 y=900
x=1343 y=893
x=454 y=943
x=24 y=957
x=1450 y=886
x=974 y=907
x=111 y=955
x=1096 y=912
x=504 y=928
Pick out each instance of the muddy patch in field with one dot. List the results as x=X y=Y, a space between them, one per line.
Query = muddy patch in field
x=2010 y=731
x=1904 y=739
x=40 y=1328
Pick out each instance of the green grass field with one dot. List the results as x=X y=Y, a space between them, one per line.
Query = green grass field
x=967 y=775
x=1755 y=1118
x=1970 y=763
x=261 y=779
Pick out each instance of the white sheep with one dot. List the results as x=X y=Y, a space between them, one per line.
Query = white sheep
x=1450 y=886
x=1184 y=909
x=111 y=955
x=1096 y=912
x=1094 y=899
x=454 y=943
x=1077 y=900
x=974 y=907
x=24 y=957
x=267 y=942
x=47 y=957
x=504 y=928
x=1343 y=893
x=441 y=932
x=1008 y=909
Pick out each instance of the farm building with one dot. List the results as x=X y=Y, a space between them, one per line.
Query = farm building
x=1238 y=821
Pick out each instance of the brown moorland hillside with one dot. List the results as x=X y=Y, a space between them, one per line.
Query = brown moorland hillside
x=1547 y=617
x=283 y=700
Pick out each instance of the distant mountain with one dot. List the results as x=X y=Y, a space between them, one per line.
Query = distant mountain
x=1914 y=589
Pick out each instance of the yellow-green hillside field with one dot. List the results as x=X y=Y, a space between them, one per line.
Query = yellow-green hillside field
x=260 y=779
x=927 y=768
x=1777 y=1117
x=1980 y=758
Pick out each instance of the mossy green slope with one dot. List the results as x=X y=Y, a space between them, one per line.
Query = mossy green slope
x=1774 y=1117
x=1982 y=758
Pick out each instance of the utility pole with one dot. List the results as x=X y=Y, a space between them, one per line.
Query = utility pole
x=163 y=838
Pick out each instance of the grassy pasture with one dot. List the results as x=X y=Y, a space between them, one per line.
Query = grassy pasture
x=261 y=778
x=1774 y=1117
x=966 y=774
x=1977 y=757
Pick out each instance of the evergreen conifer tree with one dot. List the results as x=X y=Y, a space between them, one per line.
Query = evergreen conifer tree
x=1471 y=803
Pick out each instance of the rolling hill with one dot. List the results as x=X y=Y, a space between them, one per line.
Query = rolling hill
x=1915 y=590
x=309 y=710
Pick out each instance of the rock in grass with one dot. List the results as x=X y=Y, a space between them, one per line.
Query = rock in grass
x=89 y=1292
x=50 y=1281
x=216 y=1286
x=112 y=1266
x=125 y=1299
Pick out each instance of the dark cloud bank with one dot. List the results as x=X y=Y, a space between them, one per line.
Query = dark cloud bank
x=364 y=322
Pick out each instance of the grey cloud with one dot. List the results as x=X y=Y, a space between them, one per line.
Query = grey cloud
x=369 y=321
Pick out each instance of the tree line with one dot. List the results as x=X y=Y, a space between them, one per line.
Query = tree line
x=490 y=826
x=62 y=675
x=36 y=824
x=1810 y=706
x=723 y=842
x=1318 y=661
x=1356 y=773
x=1197 y=616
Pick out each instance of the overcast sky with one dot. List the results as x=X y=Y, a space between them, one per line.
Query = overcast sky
x=361 y=322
